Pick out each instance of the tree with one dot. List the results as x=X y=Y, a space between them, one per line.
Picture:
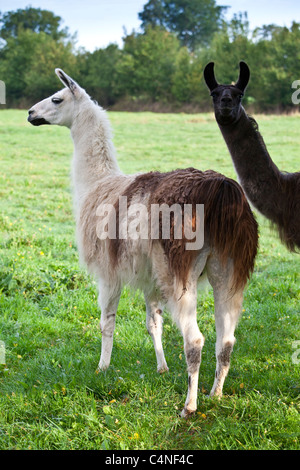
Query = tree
x=100 y=74
x=231 y=45
x=33 y=19
x=277 y=65
x=181 y=86
x=33 y=45
x=194 y=21
x=27 y=66
x=148 y=64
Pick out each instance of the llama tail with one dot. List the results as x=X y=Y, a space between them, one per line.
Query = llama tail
x=231 y=227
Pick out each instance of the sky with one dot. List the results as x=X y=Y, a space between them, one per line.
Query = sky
x=101 y=22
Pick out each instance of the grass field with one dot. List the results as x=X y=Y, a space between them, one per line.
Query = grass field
x=50 y=396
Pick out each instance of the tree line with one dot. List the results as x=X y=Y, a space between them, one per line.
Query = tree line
x=160 y=67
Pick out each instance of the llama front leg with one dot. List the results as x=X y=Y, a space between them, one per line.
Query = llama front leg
x=108 y=300
x=154 y=324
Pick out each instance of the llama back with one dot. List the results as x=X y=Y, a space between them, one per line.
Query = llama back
x=230 y=228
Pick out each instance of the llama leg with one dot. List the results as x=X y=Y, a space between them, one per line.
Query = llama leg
x=154 y=323
x=227 y=311
x=185 y=315
x=108 y=301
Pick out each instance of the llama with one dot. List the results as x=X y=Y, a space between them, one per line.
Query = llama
x=275 y=194
x=164 y=269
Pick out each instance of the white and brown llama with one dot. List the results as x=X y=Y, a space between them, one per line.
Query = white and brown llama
x=274 y=193
x=163 y=268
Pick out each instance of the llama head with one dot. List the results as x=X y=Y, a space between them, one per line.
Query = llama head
x=59 y=108
x=227 y=98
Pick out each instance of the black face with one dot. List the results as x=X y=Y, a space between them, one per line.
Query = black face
x=227 y=98
x=227 y=103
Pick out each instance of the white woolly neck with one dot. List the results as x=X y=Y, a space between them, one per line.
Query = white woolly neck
x=94 y=152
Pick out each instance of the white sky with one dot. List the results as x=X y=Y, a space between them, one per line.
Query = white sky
x=100 y=22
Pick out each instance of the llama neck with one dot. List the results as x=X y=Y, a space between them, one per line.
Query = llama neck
x=258 y=174
x=94 y=154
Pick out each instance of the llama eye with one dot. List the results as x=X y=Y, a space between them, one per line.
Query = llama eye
x=56 y=100
x=214 y=94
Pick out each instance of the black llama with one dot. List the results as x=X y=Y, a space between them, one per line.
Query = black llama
x=274 y=193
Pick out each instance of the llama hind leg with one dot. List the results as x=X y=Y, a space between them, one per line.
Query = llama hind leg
x=228 y=306
x=154 y=323
x=108 y=300
x=227 y=313
x=184 y=312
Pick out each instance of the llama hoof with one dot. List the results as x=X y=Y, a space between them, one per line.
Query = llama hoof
x=163 y=369
x=101 y=368
x=186 y=412
x=216 y=394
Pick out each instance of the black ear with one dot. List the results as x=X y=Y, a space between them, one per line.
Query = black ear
x=243 y=77
x=66 y=80
x=209 y=76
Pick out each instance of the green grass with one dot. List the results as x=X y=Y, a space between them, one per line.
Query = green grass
x=50 y=396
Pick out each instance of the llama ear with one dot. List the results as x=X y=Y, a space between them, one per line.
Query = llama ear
x=243 y=77
x=66 y=80
x=209 y=76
